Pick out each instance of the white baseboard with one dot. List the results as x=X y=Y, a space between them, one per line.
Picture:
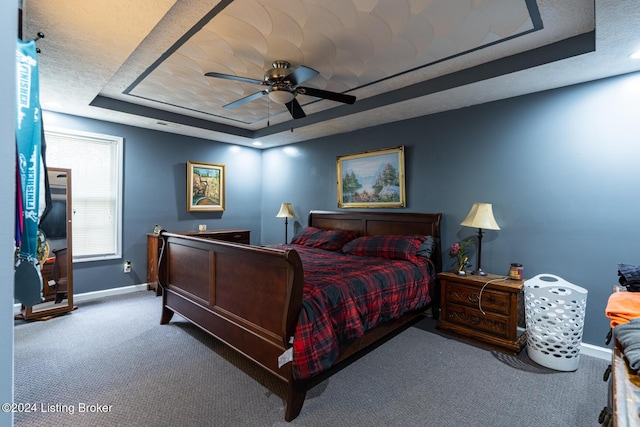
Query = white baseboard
x=88 y=296
x=596 y=351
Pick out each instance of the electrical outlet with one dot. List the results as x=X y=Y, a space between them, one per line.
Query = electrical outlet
x=127 y=266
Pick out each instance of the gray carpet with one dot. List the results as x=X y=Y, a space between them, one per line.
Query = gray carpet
x=114 y=352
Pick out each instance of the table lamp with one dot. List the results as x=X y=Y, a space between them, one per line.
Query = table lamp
x=286 y=212
x=480 y=216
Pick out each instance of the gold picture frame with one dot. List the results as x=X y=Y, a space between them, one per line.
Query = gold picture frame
x=372 y=179
x=205 y=187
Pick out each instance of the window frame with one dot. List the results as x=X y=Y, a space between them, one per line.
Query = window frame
x=61 y=133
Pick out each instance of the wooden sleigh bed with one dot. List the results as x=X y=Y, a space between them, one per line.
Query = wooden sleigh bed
x=251 y=297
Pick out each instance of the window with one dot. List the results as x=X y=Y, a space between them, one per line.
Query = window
x=96 y=190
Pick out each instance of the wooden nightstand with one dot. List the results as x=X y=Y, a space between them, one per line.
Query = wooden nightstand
x=463 y=301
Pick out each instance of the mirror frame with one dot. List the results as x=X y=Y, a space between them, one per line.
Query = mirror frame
x=46 y=313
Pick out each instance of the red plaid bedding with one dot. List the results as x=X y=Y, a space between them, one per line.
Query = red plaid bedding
x=346 y=295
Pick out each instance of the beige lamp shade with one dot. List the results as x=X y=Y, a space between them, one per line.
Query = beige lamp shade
x=481 y=216
x=286 y=211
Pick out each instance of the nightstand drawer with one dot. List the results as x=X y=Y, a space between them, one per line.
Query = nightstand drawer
x=467 y=317
x=492 y=300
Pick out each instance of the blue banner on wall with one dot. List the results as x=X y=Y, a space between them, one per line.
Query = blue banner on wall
x=28 y=281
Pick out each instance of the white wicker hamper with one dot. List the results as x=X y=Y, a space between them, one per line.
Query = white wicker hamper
x=554 y=312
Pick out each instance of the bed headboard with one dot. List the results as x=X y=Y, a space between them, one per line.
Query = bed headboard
x=382 y=223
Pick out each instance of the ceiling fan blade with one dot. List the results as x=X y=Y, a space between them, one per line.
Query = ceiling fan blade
x=230 y=77
x=325 y=94
x=244 y=100
x=301 y=74
x=295 y=109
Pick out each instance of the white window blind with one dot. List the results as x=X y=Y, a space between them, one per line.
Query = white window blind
x=96 y=189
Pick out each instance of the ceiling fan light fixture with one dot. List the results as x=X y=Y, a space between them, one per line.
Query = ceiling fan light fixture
x=282 y=86
x=281 y=96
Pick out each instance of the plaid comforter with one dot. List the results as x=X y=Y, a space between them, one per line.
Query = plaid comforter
x=346 y=295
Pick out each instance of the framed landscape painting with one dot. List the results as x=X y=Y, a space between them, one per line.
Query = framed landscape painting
x=372 y=179
x=205 y=187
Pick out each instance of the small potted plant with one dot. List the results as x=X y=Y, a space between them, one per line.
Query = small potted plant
x=458 y=251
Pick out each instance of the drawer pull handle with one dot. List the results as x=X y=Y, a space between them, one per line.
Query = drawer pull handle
x=607 y=372
x=237 y=236
x=472 y=298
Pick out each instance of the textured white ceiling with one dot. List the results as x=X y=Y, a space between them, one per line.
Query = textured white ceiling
x=143 y=63
x=351 y=43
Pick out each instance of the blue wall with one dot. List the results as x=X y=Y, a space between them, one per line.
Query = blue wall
x=561 y=169
x=155 y=193
x=8 y=32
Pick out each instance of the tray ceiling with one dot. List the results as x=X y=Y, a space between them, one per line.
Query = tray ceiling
x=143 y=63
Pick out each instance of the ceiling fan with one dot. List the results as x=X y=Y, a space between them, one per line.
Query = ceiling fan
x=282 y=86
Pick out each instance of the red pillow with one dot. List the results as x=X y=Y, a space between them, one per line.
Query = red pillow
x=391 y=247
x=330 y=240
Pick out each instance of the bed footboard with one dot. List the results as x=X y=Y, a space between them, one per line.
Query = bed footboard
x=246 y=296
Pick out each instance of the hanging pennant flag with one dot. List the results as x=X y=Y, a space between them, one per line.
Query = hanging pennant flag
x=27 y=278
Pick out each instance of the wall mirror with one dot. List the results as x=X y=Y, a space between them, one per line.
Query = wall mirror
x=56 y=263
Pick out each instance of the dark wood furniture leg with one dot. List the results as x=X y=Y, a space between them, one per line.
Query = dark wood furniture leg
x=167 y=315
x=295 y=400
